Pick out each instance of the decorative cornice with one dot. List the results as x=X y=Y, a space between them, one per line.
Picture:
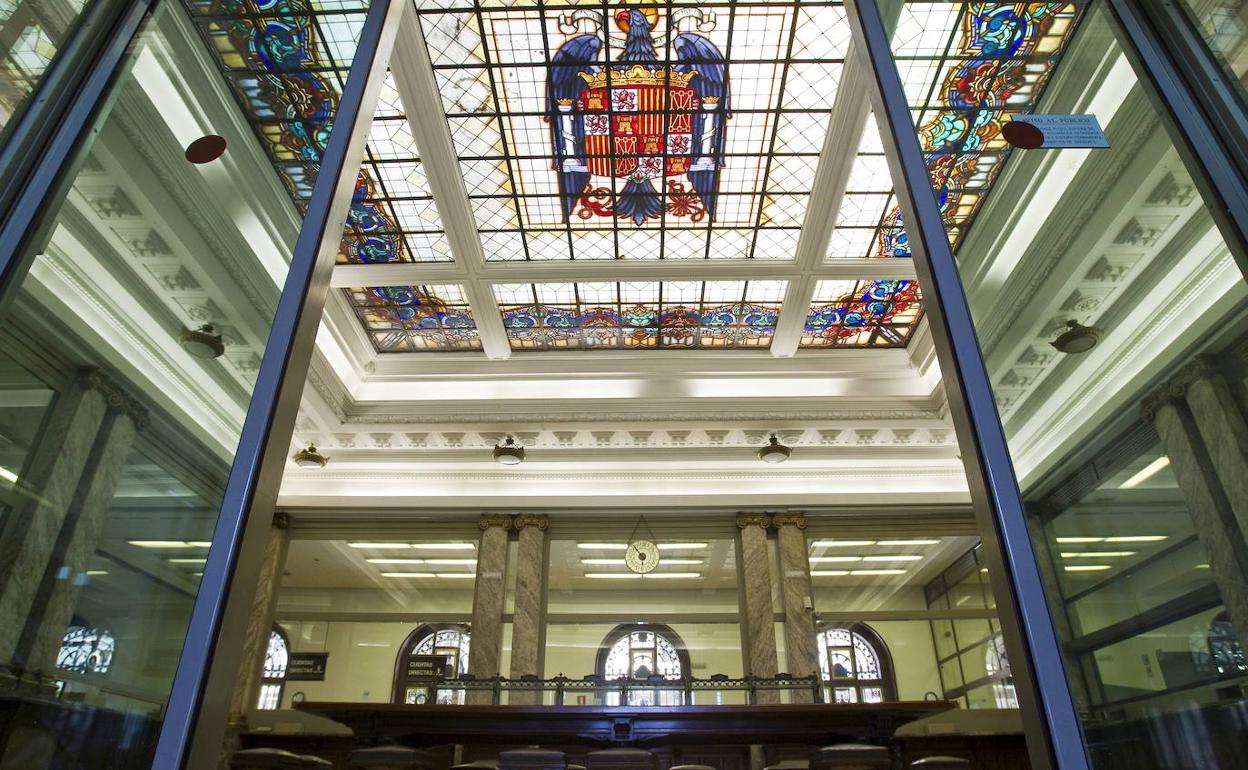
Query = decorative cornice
x=538 y=520
x=92 y=378
x=747 y=520
x=493 y=417
x=791 y=519
x=489 y=520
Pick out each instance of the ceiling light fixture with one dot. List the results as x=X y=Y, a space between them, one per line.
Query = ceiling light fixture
x=842 y=543
x=893 y=557
x=672 y=575
x=396 y=561
x=829 y=572
x=908 y=542
x=445 y=546
x=621 y=563
x=774 y=452
x=187 y=561
x=1077 y=338
x=825 y=559
x=877 y=572
x=445 y=575
x=8 y=475
x=508 y=452
x=1150 y=470
x=1070 y=540
x=1095 y=554
x=203 y=342
x=379 y=545
x=679 y=546
x=308 y=457
x=408 y=574
x=1086 y=567
x=444 y=562
x=169 y=543
x=1137 y=538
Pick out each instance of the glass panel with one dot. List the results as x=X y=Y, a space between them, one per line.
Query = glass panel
x=131 y=347
x=32 y=33
x=1094 y=273
x=1224 y=26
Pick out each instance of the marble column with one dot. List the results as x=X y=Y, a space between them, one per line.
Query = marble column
x=758 y=625
x=1076 y=673
x=486 y=652
x=45 y=490
x=80 y=536
x=246 y=692
x=800 y=652
x=1223 y=430
x=528 y=623
x=1211 y=513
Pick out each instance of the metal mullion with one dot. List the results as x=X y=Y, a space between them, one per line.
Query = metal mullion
x=1051 y=723
x=721 y=114
x=191 y=733
x=479 y=17
x=771 y=145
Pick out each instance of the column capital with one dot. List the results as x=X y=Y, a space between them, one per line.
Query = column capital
x=93 y=378
x=539 y=520
x=747 y=520
x=490 y=520
x=1175 y=388
x=281 y=520
x=792 y=519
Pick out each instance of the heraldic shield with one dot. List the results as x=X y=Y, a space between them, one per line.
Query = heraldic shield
x=639 y=121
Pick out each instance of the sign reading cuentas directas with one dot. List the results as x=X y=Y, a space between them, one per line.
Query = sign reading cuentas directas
x=306 y=666
x=1030 y=132
x=428 y=666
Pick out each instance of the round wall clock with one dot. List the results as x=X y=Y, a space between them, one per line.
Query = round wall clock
x=642 y=556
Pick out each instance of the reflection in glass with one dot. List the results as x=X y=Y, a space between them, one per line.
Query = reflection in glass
x=32 y=33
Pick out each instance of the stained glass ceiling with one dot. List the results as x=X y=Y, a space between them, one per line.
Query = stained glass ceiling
x=588 y=134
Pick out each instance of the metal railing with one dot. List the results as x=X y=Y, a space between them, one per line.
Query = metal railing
x=593 y=690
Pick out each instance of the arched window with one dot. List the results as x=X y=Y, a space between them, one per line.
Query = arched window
x=86 y=650
x=644 y=651
x=273 y=677
x=1225 y=652
x=997 y=664
x=450 y=642
x=855 y=665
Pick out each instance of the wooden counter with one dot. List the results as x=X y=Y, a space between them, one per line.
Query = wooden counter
x=814 y=725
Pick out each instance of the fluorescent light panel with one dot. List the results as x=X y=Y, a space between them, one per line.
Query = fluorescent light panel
x=418 y=546
x=1113 y=539
x=1146 y=473
x=1096 y=554
x=440 y=575
x=1086 y=567
x=602 y=562
x=648 y=575
x=624 y=546
x=8 y=475
x=187 y=561
x=170 y=543
x=844 y=572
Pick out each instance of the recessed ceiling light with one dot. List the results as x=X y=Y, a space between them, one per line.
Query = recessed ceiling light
x=408 y=574
x=396 y=561
x=672 y=575
x=774 y=452
x=1095 y=554
x=445 y=546
x=1085 y=567
x=97 y=572
x=828 y=572
x=187 y=561
x=1146 y=473
x=8 y=475
x=203 y=342
x=1079 y=539
x=893 y=557
x=679 y=546
x=1136 y=538
x=824 y=559
x=878 y=572
x=308 y=457
x=907 y=542
x=465 y=562
x=379 y=545
x=459 y=575
x=508 y=452
x=169 y=543
x=842 y=543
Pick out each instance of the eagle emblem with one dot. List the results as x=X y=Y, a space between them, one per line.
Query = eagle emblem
x=639 y=122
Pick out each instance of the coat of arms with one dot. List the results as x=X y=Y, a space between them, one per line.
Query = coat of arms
x=639 y=121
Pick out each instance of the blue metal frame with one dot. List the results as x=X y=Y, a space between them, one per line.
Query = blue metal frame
x=210 y=657
x=1054 y=732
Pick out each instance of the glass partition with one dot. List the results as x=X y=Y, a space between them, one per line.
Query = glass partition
x=131 y=348
x=32 y=34
x=1097 y=280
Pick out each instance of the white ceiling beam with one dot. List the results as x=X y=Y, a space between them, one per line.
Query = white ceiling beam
x=402 y=274
x=836 y=160
x=413 y=76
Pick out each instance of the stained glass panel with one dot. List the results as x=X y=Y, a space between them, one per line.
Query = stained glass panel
x=86 y=650
x=677 y=132
x=845 y=654
x=862 y=314
x=669 y=314
x=286 y=62
x=402 y=319
x=967 y=68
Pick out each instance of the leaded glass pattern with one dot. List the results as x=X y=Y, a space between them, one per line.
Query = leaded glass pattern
x=665 y=132
x=860 y=314
x=286 y=62
x=400 y=319
x=393 y=217
x=86 y=650
x=273 y=674
x=967 y=69
x=641 y=315
x=454 y=644
x=850 y=666
x=641 y=655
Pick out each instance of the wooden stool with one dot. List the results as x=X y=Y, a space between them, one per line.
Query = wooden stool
x=275 y=759
x=393 y=758
x=619 y=759
x=941 y=763
x=853 y=756
x=531 y=759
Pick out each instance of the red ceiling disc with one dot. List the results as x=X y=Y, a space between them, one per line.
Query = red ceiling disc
x=1022 y=135
x=205 y=149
